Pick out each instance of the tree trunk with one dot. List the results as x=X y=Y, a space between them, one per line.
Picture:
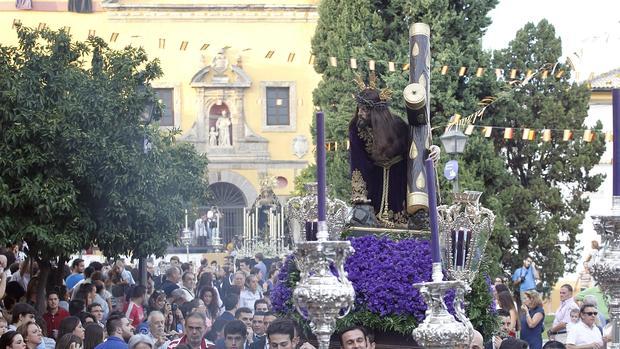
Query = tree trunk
x=45 y=268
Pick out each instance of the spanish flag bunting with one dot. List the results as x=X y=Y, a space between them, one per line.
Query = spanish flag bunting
x=391 y=66
x=91 y=32
x=335 y=146
x=469 y=130
x=544 y=74
x=498 y=73
x=479 y=71
x=42 y=26
x=311 y=59
x=508 y=133
x=270 y=53
x=353 y=63
x=532 y=135
x=546 y=135
x=16 y=22
x=333 y=61
x=162 y=43
x=406 y=66
x=487 y=131
x=113 y=37
x=444 y=70
x=513 y=73
x=371 y=65
x=183 y=46
x=526 y=134
x=588 y=136
x=291 y=57
x=559 y=74
x=609 y=137
x=568 y=135
x=462 y=71
x=529 y=73
x=204 y=46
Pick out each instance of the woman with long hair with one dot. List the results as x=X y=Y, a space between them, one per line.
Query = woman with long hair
x=504 y=300
x=157 y=302
x=532 y=318
x=93 y=336
x=69 y=341
x=12 y=340
x=71 y=324
x=31 y=333
x=211 y=299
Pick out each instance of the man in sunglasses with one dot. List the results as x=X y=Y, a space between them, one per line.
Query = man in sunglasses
x=585 y=334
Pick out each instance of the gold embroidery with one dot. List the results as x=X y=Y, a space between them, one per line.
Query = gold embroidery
x=359 y=193
x=365 y=135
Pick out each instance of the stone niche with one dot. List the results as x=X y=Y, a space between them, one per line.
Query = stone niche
x=220 y=129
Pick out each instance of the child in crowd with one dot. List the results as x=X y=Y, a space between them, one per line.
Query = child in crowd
x=574 y=319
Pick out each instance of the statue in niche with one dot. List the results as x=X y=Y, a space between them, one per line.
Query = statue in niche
x=213 y=137
x=220 y=63
x=223 y=127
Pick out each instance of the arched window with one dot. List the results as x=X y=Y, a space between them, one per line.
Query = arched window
x=230 y=201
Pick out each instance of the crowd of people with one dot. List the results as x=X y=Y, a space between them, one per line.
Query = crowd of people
x=578 y=322
x=101 y=306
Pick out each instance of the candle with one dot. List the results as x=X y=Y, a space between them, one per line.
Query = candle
x=615 y=93
x=185 y=219
x=320 y=163
x=432 y=210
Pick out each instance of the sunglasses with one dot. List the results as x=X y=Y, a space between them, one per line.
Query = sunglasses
x=591 y=313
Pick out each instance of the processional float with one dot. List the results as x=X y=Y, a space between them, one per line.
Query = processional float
x=394 y=193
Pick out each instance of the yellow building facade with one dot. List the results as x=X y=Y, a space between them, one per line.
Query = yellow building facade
x=237 y=81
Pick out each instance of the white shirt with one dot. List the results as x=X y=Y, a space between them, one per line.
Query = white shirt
x=247 y=298
x=580 y=334
x=563 y=312
x=200 y=228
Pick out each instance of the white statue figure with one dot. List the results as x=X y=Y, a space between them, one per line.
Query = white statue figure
x=223 y=126
x=213 y=137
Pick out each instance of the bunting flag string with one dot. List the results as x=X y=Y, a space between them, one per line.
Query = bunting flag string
x=517 y=75
x=514 y=133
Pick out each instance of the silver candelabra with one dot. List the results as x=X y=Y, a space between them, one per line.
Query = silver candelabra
x=606 y=268
x=320 y=295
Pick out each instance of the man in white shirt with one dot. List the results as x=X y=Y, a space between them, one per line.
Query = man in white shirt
x=189 y=283
x=200 y=229
x=562 y=315
x=585 y=334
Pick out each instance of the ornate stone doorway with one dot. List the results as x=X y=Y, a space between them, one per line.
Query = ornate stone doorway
x=230 y=200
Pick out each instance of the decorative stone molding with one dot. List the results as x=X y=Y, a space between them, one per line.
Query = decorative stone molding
x=238 y=180
x=135 y=11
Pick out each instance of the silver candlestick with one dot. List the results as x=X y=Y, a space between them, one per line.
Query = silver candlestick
x=320 y=296
x=606 y=268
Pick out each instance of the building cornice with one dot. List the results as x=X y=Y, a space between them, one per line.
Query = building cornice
x=212 y=12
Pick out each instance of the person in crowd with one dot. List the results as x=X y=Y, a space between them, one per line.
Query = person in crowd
x=76 y=307
x=585 y=334
x=77 y=270
x=260 y=265
x=532 y=319
x=22 y=274
x=12 y=340
x=87 y=318
x=71 y=324
x=562 y=315
x=554 y=344
x=244 y=267
x=601 y=320
x=102 y=297
x=261 y=305
x=504 y=332
x=211 y=300
x=230 y=307
x=21 y=314
x=88 y=272
x=258 y=326
x=157 y=301
x=157 y=327
x=269 y=318
x=271 y=282
x=31 y=291
x=47 y=341
x=93 y=336
x=4 y=326
x=593 y=256
x=54 y=314
x=189 y=283
x=119 y=331
x=574 y=318
x=477 y=342
x=69 y=341
x=245 y=316
x=250 y=293
x=526 y=276
x=506 y=302
x=354 y=337
x=224 y=280
x=513 y=343
x=31 y=333
x=141 y=341
x=173 y=276
x=195 y=330
x=134 y=310
x=235 y=335
x=96 y=310
x=239 y=280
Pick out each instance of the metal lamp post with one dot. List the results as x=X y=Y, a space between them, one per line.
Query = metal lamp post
x=454 y=142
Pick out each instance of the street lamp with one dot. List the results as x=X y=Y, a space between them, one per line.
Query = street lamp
x=454 y=142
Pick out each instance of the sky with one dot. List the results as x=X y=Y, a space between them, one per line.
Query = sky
x=591 y=29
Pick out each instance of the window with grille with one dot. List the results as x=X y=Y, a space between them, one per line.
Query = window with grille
x=278 y=113
x=166 y=96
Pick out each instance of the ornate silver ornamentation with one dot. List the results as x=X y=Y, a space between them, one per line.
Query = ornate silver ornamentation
x=321 y=296
x=464 y=230
x=606 y=269
x=302 y=209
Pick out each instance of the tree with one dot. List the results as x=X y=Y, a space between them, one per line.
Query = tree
x=379 y=30
x=73 y=170
x=539 y=190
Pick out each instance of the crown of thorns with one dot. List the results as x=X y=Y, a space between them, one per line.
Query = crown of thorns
x=384 y=95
